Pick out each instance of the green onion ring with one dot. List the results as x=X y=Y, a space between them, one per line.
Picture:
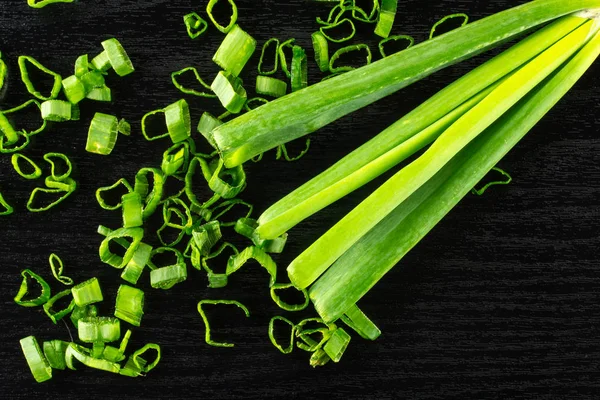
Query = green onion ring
x=57 y=85
x=36 y=173
x=174 y=78
x=288 y=349
x=207 y=338
x=232 y=19
x=44 y=295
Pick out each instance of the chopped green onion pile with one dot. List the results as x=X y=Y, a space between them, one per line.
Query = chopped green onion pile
x=463 y=131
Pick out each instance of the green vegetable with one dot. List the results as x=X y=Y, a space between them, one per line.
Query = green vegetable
x=24 y=290
x=87 y=292
x=207 y=338
x=130 y=305
x=102 y=134
x=23 y=67
x=349 y=279
x=235 y=51
x=307 y=110
x=232 y=19
x=38 y=364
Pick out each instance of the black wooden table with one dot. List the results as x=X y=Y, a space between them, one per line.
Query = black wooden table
x=500 y=300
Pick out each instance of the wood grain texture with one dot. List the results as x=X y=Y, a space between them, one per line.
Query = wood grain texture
x=500 y=300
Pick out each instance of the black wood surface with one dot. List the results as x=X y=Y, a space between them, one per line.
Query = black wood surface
x=500 y=300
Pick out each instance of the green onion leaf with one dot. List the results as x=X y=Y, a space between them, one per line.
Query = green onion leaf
x=102 y=134
x=230 y=91
x=24 y=290
x=130 y=305
x=270 y=86
x=87 y=292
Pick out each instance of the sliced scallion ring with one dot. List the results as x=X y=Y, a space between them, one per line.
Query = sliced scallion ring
x=134 y=268
x=348 y=49
x=7 y=129
x=273 y=42
x=24 y=289
x=35 y=173
x=82 y=65
x=409 y=41
x=270 y=86
x=235 y=51
x=132 y=210
x=339 y=25
x=166 y=277
x=177 y=117
x=464 y=17
x=88 y=292
x=194 y=24
x=49 y=157
x=174 y=78
x=102 y=93
x=37 y=362
x=232 y=20
x=257 y=254
x=146 y=116
x=290 y=347
x=151 y=198
x=321 y=49
x=207 y=123
x=55 y=316
x=337 y=344
x=5 y=208
x=282 y=58
x=23 y=68
x=44 y=3
x=387 y=15
x=102 y=134
x=57 y=268
x=116 y=260
x=101 y=191
x=230 y=91
x=48 y=191
x=282 y=304
x=56 y=110
x=207 y=337
x=298 y=72
x=130 y=305
x=54 y=351
x=119 y=60
x=141 y=363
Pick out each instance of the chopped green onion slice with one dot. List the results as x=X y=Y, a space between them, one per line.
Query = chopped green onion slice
x=166 y=277
x=5 y=208
x=257 y=254
x=221 y=278
x=225 y=182
x=87 y=292
x=51 y=191
x=270 y=86
x=102 y=134
x=282 y=59
x=235 y=51
x=42 y=298
x=8 y=129
x=194 y=24
x=115 y=354
x=57 y=268
x=289 y=348
x=56 y=316
x=119 y=60
x=361 y=15
x=100 y=94
x=177 y=117
x=282 y=304
x=273 y=42
x=409 y=41
x=319 y=358
x=282 y=150
x=508 y=180
x=247 y=227
x=83 y=355
x=176 y=159
x=230 y=91
x=101 y=62
x=100 y=194
x=358 y=321
x=204 y=237
x=82 y=65
x=298 y=73
x=321 y=49
x=38 y=364
x=444 y=20
x=124 y=127
x=130 y=305
x=151 y=199
x=49 y=157
x=74 y=89
x=134 y=268
x=174 y=78
x=141 y=363
x=3 y=138
x=337 y=344
x=68 y=185
x=115 y=260
x=306 y=341
x=387 y=15
x=189 y=182
x=132 y=210
x=232 y=19
x=54 y=351
x=44 y=3
x=82 y=312
x=130 y=369
x=207 y=123
x=92 y=80
x=56 y=110
x=23 y=61
x=99 y=329
x=36 y=173
x=167 y=216
x=337 y=26
x=348 y=49
x=207 y=338
x=146 y=116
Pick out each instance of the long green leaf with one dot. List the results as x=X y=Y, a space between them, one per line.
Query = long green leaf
x=307 y=267
x=406 y=136
x=353 y=274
